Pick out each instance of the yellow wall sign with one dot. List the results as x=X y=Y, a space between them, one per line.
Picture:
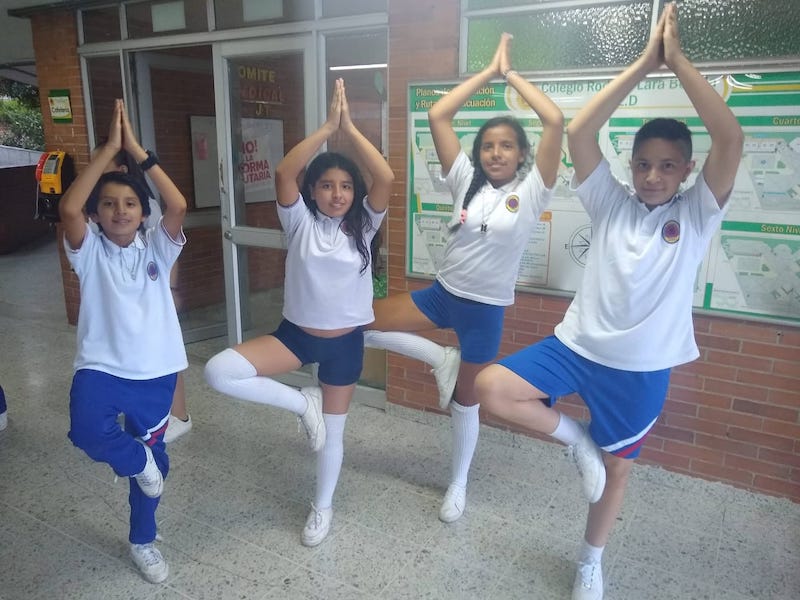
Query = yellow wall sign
x=60 y=108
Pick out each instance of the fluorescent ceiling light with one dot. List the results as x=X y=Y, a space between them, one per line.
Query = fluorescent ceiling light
x=357 y=67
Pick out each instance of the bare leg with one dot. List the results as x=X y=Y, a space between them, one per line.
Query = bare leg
x=179 y=400
x=399 y=313
x=603 y=513
x=508 y=396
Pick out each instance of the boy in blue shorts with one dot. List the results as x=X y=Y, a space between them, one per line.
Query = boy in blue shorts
x=130 y=346
x=631 y=319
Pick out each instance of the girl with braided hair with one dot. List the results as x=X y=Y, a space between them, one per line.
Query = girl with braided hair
x=498 y=197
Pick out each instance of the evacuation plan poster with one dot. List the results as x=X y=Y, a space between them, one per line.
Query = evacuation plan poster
x=752 y=268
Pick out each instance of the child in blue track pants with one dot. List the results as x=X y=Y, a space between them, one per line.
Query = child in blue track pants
x=130 y=347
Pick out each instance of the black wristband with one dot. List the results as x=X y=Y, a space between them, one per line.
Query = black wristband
x=150 y=161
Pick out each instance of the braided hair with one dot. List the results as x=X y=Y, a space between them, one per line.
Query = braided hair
x=356 y=221
x=479 y=176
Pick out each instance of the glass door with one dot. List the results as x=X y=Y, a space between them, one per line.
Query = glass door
x=265 y=105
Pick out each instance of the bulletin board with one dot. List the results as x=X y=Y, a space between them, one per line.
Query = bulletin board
x=254 y=163
x=752 y=267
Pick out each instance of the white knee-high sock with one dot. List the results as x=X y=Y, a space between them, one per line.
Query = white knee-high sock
x=407 y=344
x=231 y=373
x=466 y=424
x=568 y=431
x=329 y=460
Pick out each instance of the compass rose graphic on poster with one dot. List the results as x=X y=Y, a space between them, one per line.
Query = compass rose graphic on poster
x=578 y=244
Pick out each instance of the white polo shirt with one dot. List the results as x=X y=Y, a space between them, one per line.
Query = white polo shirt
x=633 y=310
x=324 y=288
x=128 y=325
x=483 y=266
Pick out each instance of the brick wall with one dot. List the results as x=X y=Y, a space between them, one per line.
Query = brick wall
x=733 y=415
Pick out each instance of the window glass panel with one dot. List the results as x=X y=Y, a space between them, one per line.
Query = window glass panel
x=105 y=85
x=360 y=60
x=595 y=36
x=101 y=24
x=244 y=13
x=262 y=290
x=720 y=30
x=366 y=97
x=174 y=106
x=345 y=8
x=489 y=4
x=147 y=19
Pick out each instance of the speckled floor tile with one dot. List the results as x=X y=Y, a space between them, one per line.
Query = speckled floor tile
x=242 y=480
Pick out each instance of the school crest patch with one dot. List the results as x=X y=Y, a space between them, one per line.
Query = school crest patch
x=152 y=270
x=671 y=232
x=512 y=203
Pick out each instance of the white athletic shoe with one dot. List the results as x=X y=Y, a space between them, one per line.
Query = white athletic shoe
x=150 y=562
x=150 y=480
x=312 y=420
x=588 y=582
x=446 y=375
x=318 y=524
x=177 y=427
x=454 y=503
x=588 y=457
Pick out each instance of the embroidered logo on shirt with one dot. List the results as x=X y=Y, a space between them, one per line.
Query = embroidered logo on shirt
x=671 y=232
x=512 y=203
x=152 y=270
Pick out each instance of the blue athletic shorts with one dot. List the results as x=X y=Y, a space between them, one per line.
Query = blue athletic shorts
x=478 y=326
x=624 y=405
x=340 y=358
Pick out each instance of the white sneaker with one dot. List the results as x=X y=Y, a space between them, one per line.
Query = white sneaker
x=150 y=480
x=588 y=582
x=588 y=457
x=454 y=503
x=312 y=420
x=3 y=420
x=150 y=562
x=318 y=524
x=446 y=375
x=177 y=427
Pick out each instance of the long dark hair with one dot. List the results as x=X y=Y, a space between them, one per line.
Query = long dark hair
x=356 y=221
x=479 y=176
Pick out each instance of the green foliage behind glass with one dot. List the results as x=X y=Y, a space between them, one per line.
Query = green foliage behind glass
x=20 y=116
x=20 y=125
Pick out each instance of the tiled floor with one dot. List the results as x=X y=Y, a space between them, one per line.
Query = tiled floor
x=240 y=485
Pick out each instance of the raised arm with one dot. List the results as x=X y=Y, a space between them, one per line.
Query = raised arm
x=441 y=114
x=726 y=134
x=548 y=154
x=70 y=207
x=297 y=158
x=381 y=174
x=583 y=129
x=174 y=201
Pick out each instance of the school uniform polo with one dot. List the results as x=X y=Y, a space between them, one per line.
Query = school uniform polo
x=633 y=310
x=128 y=326
x=324 y=286
x=481 y=260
